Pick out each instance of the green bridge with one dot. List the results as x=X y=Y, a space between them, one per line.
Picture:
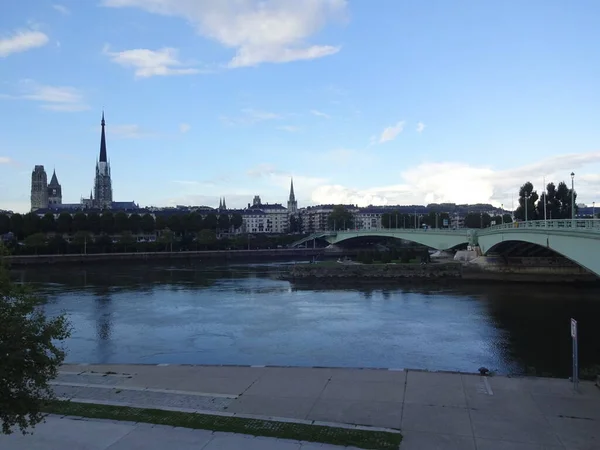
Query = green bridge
x=577 y=240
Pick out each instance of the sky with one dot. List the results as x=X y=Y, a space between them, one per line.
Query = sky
x=361 y=102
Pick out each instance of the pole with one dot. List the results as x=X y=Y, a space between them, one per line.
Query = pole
x=416 y=219
x=502 y=213
x=396 y=220
x=545 y=202
x=572 y=199
x=526 y=201
x=575 y=354
x=593 y=210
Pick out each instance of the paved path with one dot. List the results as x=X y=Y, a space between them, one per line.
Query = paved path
x=92 y=434
x=433 y=410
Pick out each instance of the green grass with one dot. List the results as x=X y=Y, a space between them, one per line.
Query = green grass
x=313 y=433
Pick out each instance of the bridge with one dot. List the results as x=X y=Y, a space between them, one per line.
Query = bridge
x=577 y=240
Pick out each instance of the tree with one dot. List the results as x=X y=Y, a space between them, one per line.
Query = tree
x=107 y=222
x=135 y=223
x=35 y=241
x=57 y=244
x=94 y=222
x=104 y=242
x=174 y=223
x=527 y=203
x=160 y=223
x=237 y=221
x=507 y=218
x=340 y=218
x=63 y=223
x=80 y=222
x=477 y=220
x=211 y=222
x=295 y=224
x=147 y=224
x=224 y=222
x=121 y=222
x=47 y=223
x=206 y=238
x=4 y=224
x=30 y=355
x=81 y=239
x=563 y=195
x=167 y=238
x=16 y=225
x=31 y=224
x=126 y=240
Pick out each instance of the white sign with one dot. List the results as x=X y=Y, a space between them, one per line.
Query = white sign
x=573 y=328
x=445 y=222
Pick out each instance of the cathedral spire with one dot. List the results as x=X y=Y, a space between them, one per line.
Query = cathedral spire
x=102 y=141
x=220 y=203
x=224 y=205
x=292 y=196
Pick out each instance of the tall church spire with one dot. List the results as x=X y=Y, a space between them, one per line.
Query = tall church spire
x=292 y=196
x=102 y=142
x=224 y=205
x=220 y=203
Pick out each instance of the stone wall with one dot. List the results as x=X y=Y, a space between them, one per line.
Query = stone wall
x=373 y=271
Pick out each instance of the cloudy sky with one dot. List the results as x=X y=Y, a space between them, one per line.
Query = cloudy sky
x=361 y=101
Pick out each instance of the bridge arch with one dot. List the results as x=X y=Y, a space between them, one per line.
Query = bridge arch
x=437 y=239
x=582 y=249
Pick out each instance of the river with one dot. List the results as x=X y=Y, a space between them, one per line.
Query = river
x=242 y=314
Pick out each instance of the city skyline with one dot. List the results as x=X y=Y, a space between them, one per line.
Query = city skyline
x=405 y=103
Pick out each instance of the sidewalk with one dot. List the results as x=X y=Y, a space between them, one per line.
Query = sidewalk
x=433 y=410
x=93 y=434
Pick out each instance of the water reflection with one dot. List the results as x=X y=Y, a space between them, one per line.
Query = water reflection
x=241 y=314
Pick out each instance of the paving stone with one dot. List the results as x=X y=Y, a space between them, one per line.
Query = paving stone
x=163 y=437
x=292 y=407
x=436 y=419
x=381 y=414
x=363 y=390
x=417 y=440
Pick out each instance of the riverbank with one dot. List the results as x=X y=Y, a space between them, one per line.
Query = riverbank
x=432 y=409
x=438 y=272
x=216 y=255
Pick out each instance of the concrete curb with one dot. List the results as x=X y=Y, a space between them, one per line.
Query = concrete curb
x=241 y=416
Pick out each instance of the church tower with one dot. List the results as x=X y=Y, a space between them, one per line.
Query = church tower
x=292 y=204
x=54 y=191
x=103 y=196
x=39 y=188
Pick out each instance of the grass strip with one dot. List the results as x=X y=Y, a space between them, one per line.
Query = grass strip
x=256 y=427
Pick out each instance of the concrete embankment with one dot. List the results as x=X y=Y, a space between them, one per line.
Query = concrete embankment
x=437 y=272
x=217 y=255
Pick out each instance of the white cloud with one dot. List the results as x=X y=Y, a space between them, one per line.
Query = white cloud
x=453 y=182
x=259 y=31
x=320 y=114
x=5 y=160
x=127 y=131
x=391 y=132
x=251 y=116
x=62 y=9
x=289 y=128
x=148 y=63
x=21 y=41
x=420 y=127
x=53 y=98
x=184 y=128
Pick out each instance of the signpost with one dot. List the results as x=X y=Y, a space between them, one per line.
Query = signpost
x=575 y=356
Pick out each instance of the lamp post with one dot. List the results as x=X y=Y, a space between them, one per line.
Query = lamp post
x=572 y=199
x=593 y=210
x=502 y=213
x=526 y=202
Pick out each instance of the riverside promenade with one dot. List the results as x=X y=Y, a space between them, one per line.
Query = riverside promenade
x=432 y=410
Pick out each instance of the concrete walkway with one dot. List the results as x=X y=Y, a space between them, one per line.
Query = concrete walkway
x=433 y=410
x=93 y=434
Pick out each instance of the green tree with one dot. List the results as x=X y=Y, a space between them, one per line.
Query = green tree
x=563 y=195
x=166 y=238
x=174 y=223
x=35 y=241
x=477 y=220
x=211 y=222
x=340 y=218
x=127 y=240
x=57 y=244
x=161 y=223
x=527 y=203
x=80 y=222
x=63 y=223
x=107 y=222
x=507 y=218
x=16 y=225
x=135 y=223
x=47 y=223
x=31 y=224
x=81 y=240
x=104 y=243
x=94 y=222
x=121 y=222
x=224 y=222
x=206 y=239
x=4 y=224
x=237 y=221
x=148 y=223
x=295 y=224
x=30 y=355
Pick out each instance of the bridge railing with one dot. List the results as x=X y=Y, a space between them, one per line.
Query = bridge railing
x=582 y=225
x=403 y=230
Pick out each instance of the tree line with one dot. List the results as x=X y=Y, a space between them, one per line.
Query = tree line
x=108 y=223
x=557 y=200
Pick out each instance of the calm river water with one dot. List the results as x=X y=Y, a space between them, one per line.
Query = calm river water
x=241 y=314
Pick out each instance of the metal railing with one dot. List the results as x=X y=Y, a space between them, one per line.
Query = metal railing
x=580 y=225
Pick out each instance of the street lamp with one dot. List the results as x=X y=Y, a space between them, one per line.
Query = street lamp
x=526 y=202
x=502 y=213
x=572 y=198
x=593 y=210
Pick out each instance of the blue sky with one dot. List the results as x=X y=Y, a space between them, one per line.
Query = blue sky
x=364 y=102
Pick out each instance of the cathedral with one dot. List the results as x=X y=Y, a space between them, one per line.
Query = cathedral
x=49 y=196
x=101 y=196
